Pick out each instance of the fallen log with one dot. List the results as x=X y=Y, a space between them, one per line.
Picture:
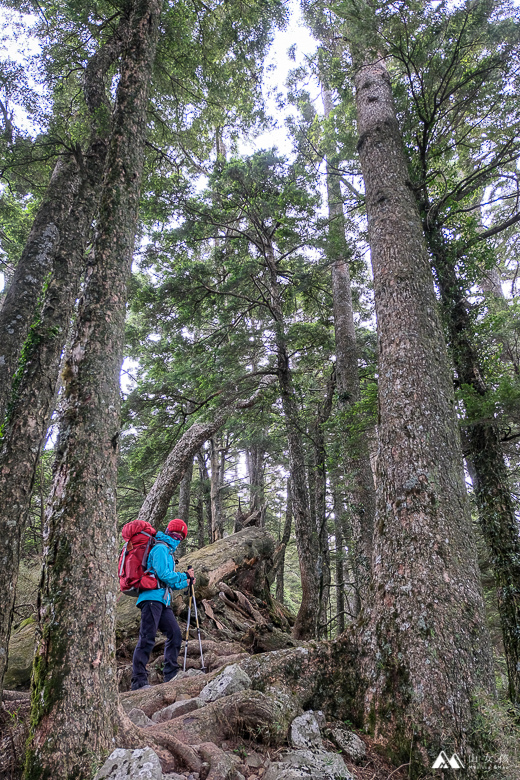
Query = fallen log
x=241 y=560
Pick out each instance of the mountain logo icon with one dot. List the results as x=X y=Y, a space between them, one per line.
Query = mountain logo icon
x=443 y=762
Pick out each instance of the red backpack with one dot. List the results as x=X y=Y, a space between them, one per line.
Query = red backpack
x=133 y=574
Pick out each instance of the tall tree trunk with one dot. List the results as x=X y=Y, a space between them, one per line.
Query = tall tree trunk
x=426 y=637
x=217 y=521
x=25 y=429
x=356 y=459
x=280 y=576
x=206 y=489
x=199 y=508
x=306 y=624
x=339 y=511
x=320 y=503
x=74 y=687
x=20 y=305
x=255 y=468
x=492 y=491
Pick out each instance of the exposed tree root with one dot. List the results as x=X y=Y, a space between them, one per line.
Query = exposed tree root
x=186 y=754
x=222 y=766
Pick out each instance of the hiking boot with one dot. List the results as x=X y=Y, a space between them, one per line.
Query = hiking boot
x=172 y=677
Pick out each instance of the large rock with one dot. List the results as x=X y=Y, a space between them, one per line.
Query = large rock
x=139 y=718
x=308 y=765
x=176 y=709
x=21 y=653
x=305 y=732
x=231 y=680
x=348 y=742
x=142 y=764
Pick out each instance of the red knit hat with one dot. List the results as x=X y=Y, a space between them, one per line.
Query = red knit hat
x=177 y=526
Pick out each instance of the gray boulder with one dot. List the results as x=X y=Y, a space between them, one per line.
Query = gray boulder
x=305 y=732
x=348 y=742
x=176 y=709
x=308 y=765
x=142 y=764
x=232 y=680
x=138 y=717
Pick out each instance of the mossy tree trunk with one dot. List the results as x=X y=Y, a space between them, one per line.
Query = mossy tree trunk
x=22 y=299
x=426 y=638
x=74 y=688
x=32 y=403
x=492 y=491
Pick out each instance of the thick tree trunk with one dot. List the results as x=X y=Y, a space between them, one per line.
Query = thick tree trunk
x=356 y=460
x=426 y=637
x=74 y=689
x=280 y=585
x=20 y=305
x=495 y=506
x=26 y=427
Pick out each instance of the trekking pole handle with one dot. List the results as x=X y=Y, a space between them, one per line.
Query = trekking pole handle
x=191 y=576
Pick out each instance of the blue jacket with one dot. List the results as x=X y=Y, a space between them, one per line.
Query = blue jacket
x=161 y=562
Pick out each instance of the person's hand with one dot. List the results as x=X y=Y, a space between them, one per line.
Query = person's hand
x=191 y=576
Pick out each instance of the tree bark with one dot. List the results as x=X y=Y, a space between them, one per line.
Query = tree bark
x=25 y=429
x=74 y=688
x=492 y=491
x=426 y=637
x=356 y=459
x=20 y=305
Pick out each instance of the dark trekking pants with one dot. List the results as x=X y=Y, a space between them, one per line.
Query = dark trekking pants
x=155 y=615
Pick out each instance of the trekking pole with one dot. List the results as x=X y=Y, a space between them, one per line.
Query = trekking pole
x=203 y=668
x=187 y=633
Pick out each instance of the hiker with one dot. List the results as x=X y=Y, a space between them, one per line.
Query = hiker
x=155 y=605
